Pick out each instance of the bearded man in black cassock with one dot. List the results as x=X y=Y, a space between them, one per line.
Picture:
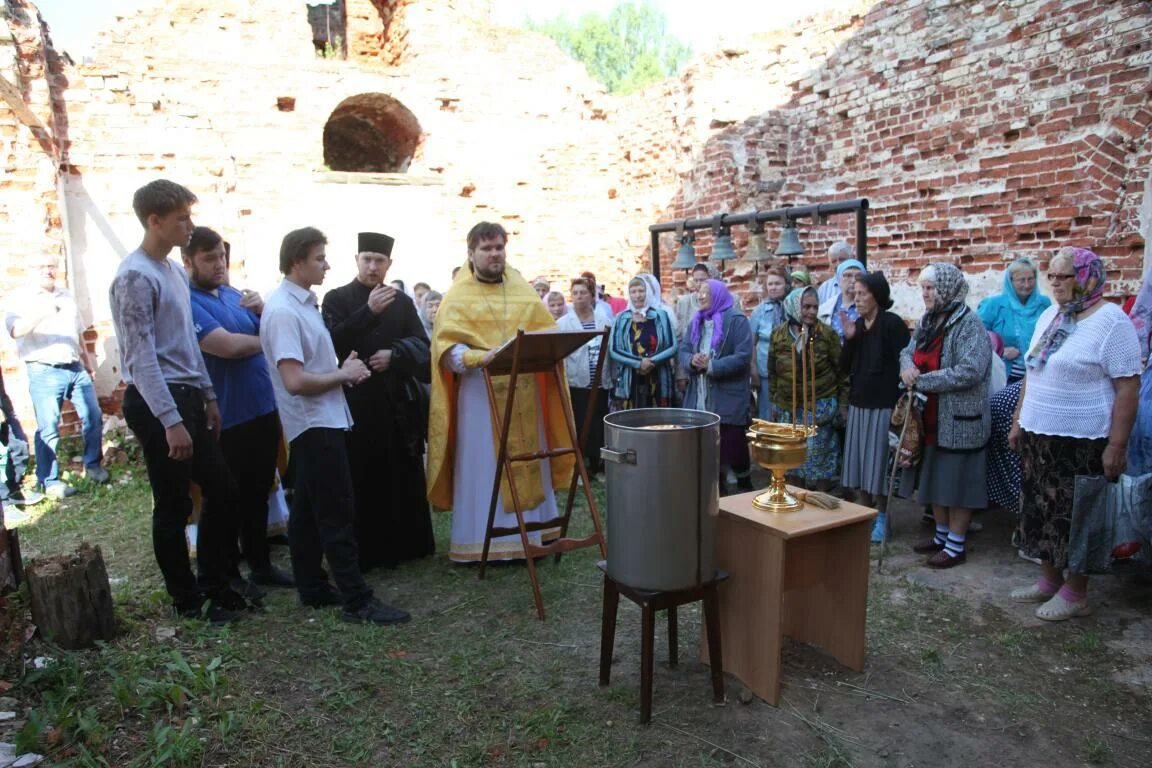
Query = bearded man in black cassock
x=390 y=410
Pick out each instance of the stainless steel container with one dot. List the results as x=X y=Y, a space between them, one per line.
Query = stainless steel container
x=662 y=466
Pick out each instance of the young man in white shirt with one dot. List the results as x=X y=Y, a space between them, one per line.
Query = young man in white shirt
x=308 y=382
x=45 y=322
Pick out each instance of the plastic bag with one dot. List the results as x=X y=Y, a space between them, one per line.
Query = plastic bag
x=1111 y=523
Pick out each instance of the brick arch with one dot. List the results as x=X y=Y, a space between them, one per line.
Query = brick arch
x=371 y=133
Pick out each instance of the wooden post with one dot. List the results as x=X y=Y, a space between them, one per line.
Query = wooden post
x=71 y=599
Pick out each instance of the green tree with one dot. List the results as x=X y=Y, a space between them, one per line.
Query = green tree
x=626 y=51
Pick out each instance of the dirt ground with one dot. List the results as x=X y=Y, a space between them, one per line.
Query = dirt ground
x=956 y=674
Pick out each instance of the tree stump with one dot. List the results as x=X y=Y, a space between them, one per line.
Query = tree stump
x=71 y=598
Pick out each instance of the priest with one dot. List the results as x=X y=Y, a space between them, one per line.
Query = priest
x=386 y=447
x=487 y=303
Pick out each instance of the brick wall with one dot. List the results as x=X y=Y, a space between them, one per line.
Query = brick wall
x=979 y=132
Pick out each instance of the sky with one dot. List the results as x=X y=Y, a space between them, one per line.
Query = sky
x=75 y=22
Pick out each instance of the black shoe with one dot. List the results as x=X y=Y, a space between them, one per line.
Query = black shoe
x=219 y=615
x=246 y=589
x=375 y=612
x=272 y=577
x=323 y=599
x=190 y=609
x=232 y=601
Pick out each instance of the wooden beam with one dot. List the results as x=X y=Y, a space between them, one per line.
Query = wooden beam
x=15 y=100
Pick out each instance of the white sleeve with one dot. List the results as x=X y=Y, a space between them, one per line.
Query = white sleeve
x=453 y=360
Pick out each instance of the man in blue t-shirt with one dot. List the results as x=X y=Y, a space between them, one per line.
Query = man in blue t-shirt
x=227 y=326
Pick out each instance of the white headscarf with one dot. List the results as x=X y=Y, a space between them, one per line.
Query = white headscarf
x=655 y=300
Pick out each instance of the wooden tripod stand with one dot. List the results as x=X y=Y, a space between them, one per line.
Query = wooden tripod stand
x=541 y=353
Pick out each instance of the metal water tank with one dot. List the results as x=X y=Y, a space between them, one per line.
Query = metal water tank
x=662 y=467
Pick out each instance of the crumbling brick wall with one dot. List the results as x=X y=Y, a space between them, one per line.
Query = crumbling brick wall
x=980 y=132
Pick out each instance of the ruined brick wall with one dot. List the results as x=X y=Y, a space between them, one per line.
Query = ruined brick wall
x=979 y=132
x=30 y=216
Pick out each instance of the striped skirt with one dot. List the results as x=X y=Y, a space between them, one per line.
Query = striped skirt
x=866 y=453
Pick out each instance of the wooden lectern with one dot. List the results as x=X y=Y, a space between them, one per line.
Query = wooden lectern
x=531 y=353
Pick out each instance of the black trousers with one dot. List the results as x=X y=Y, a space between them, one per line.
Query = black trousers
x=596 y=399
x=323 y=510
x=250 y=450
x=171 y=504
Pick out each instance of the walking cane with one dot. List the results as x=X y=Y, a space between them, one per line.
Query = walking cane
x=892 y=483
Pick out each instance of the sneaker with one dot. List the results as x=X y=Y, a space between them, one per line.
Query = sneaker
x=58 y=490
x=14 y=516
x=375 y=612
x=97 y=474
x=22 y=498
x=325 y=598
x=272 y=577
x=880 y=528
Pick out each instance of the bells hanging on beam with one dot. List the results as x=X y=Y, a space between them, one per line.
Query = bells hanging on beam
x=789 y=240
x=722 y=247
x=757 y=251
x=686 y=253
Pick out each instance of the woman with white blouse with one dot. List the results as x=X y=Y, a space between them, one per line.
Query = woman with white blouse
x=1074 y=418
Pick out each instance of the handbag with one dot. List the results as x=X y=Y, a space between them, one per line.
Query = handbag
x=1111 y=523
x=906 y=431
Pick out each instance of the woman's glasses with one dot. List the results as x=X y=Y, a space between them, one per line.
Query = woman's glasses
x=1055 y=277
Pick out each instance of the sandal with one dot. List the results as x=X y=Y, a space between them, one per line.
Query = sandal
x=1031 y=594
x=1059 y=609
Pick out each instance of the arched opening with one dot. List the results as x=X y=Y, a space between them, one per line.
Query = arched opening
x=371 y=133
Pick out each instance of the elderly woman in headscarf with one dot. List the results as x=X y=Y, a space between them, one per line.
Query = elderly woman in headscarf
x=871 y=356
x=716 y=351
x=1140 y=443
x=1013 y=312
x=643 y=346
x=840 y=308
x=427 y=308
x=1075 y=416
x=766 y=318
x=822 y=354
x=948 y=360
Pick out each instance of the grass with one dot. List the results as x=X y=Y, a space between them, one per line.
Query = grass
x=476 y=680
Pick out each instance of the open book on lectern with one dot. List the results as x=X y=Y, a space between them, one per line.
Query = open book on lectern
x=539 y=351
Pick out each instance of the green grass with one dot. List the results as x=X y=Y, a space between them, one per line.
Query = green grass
x=476 y=680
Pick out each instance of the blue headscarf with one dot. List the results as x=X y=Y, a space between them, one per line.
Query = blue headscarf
x=849 y=264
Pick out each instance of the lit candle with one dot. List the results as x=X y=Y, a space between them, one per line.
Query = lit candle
x=803 y=370
x=812 y=355
x=792 y=416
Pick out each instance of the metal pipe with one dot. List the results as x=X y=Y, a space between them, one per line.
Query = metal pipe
x=656 y=254
x=794 y=213
x=862 y=235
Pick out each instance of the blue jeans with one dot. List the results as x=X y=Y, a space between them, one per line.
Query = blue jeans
x=49 y=386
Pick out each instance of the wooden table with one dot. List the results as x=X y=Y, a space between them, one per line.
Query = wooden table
x=802 y=574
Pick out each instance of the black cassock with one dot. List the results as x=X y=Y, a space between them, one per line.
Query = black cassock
x=386 y=447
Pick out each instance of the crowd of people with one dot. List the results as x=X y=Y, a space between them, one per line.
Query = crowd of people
x=368 y=389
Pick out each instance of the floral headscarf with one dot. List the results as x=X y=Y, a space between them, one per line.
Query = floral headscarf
x=1089 y=289
x=951 y=290
x=792 y=303
x=721 y=302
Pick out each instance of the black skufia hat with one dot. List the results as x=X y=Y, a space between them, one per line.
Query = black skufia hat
x=373 y=242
